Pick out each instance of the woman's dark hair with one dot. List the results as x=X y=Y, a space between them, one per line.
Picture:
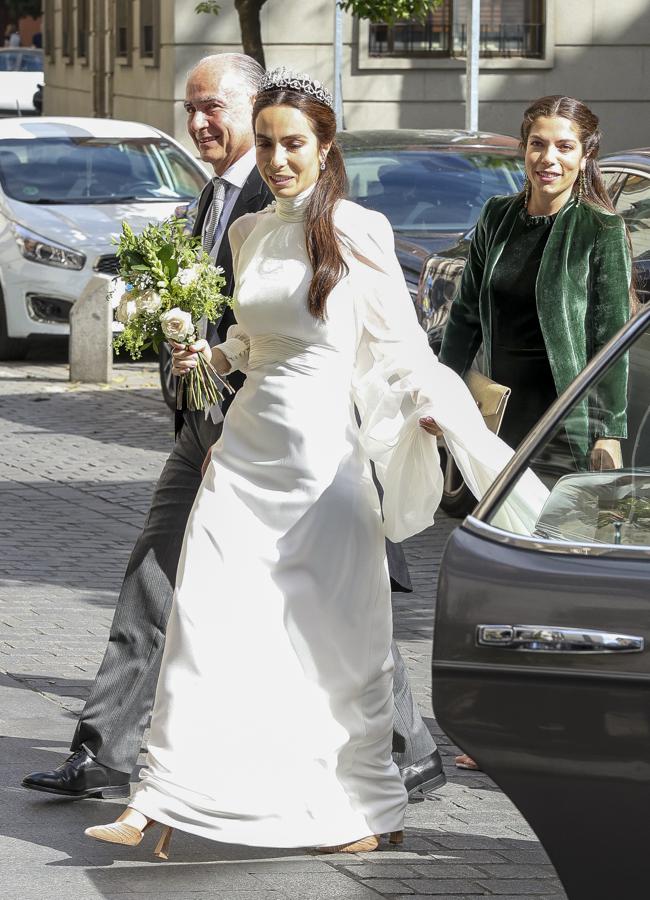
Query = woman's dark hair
x=588 y=130
x=323 y=246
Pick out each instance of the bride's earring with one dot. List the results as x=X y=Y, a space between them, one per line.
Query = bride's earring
x=322 y=163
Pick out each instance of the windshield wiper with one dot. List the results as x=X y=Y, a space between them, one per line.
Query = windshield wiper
x=48 y=201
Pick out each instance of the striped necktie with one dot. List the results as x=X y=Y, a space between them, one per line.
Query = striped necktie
x=214 y=213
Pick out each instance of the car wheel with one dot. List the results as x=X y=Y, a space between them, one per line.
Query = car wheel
x=168 y=381
x=10 y=348
x=457 y=499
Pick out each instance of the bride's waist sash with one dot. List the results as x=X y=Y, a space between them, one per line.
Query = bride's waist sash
x=302 y=356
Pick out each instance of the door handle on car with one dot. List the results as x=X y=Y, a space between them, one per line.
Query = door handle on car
x=554 y=639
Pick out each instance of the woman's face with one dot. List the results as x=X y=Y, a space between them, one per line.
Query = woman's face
x=288 y=153
x=554 y=157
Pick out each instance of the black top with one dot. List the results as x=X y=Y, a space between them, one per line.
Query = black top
x=519 y=356
x=515 y=323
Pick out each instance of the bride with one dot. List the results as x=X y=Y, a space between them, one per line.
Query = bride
x=282 y=584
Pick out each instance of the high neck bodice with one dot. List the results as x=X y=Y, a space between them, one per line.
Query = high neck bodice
x=294 y=209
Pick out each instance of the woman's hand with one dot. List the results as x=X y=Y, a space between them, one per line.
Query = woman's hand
x=184 y=359
x=430 y=426
x=606 y=454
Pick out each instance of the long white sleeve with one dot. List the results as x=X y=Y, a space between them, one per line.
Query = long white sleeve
x=398 y=379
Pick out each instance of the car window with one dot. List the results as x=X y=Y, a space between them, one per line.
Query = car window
x=9 y=62
x=176 y=163
x=634 y=205
x=430 y=191
x=577 y=499
x=612 y=181
x=93 y=170
x=31 y=62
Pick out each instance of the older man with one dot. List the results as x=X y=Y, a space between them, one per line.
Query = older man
x=218 y=101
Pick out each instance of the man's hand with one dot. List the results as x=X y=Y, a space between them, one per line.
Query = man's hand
x=431 y=426
x=184 y=359
x=606 y=454
x=206 y=462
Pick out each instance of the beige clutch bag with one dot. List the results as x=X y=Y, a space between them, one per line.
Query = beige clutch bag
x=491 y=398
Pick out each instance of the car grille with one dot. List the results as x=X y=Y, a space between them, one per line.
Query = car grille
x=108 y=265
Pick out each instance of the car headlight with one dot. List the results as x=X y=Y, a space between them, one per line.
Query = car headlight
x=42 y=250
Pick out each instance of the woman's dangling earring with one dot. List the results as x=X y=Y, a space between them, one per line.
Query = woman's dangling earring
x=582 y=187
x=322 y=164
x=526 y=191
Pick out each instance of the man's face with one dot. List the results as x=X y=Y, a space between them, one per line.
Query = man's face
x=219 y=109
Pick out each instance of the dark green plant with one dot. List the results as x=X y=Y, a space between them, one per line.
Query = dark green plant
x=19 y=8
x=390 y=11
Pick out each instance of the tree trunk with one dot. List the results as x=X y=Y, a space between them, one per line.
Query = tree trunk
x=251 y=29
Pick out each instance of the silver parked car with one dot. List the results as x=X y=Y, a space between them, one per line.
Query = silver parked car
x=66 y=185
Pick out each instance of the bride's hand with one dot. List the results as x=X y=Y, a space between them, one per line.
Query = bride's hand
x=431 y=426
x=184 y=359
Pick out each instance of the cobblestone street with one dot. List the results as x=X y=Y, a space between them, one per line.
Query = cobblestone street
x=77 y=468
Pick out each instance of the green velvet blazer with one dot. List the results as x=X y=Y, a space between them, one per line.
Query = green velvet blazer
x=582 y=295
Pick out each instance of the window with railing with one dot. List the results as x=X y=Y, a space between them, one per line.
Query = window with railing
x=123 y=30
x=83 y=29
x=508 y=28
x=149 y=29
x=67 y=30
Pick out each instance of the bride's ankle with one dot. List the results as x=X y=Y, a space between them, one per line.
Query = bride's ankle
x=132 y=816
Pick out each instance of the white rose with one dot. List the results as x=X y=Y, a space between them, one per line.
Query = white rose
x=177 y=325
x=148 y=301
x=126 y=308
x=188 y=275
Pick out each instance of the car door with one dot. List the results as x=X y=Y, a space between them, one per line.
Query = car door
x=541 y=656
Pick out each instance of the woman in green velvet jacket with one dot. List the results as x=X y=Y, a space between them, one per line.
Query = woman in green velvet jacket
x=547 y=284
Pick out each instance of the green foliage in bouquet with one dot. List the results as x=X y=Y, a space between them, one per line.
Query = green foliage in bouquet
x=171 y=283
x=164 y=269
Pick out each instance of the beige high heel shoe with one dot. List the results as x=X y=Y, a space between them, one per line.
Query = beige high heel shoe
x=130 y=836
x=364 y=845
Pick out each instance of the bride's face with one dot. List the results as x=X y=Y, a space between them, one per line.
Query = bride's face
x=288 y=153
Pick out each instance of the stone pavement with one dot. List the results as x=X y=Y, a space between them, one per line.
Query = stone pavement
x=77 y=468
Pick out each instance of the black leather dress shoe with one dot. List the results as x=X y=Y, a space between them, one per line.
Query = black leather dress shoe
x=79 y=777
x=424 y=776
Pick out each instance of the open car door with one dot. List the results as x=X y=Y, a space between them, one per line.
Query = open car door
x=541 y=657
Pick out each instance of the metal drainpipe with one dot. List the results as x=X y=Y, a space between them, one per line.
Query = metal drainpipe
x=472 y=65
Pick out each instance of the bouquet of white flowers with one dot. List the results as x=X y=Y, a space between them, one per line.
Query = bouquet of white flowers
x=171 y=283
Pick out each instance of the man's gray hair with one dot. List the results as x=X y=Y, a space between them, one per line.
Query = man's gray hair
x=249 y=70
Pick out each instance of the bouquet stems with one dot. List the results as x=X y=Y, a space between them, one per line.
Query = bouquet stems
x=199 y=387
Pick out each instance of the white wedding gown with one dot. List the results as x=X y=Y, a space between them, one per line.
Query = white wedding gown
x=273 y=717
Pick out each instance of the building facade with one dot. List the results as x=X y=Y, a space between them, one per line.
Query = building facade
x=129 y=58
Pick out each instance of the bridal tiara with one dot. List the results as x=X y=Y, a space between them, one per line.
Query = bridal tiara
x=284 y=79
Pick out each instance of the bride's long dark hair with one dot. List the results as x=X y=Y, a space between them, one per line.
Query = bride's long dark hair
x=323 y=247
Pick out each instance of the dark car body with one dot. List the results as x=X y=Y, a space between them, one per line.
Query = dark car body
x=430 y=184
x=627 y=178
x=541 y=655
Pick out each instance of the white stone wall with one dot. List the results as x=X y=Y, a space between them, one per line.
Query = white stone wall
x=597 y=50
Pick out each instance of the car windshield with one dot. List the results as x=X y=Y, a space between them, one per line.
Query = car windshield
x=21 y=61
x=96 y=170
x=430 y=191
